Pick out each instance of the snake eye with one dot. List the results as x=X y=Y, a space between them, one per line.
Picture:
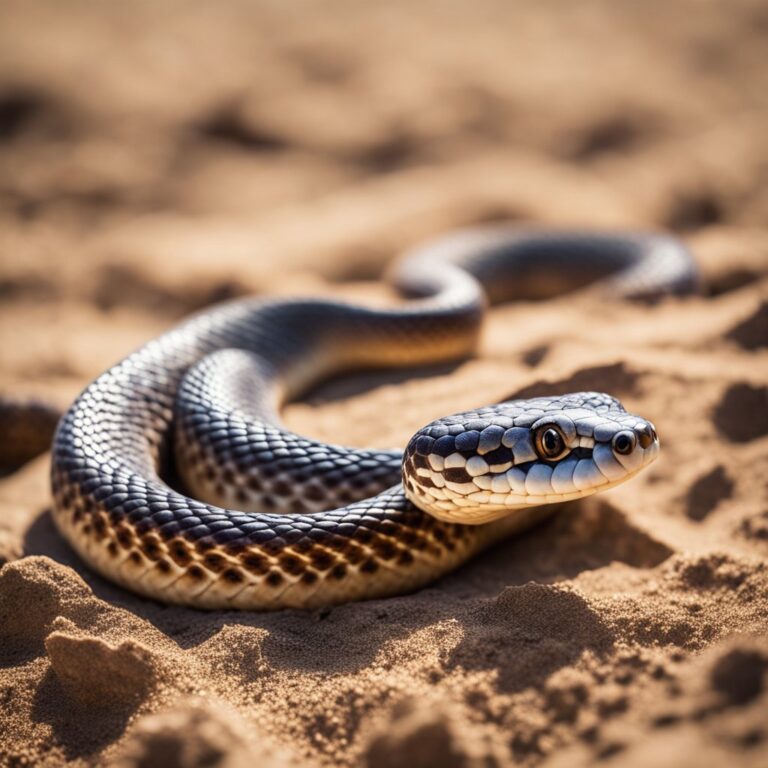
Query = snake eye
x=550 y=443
x=624 y=442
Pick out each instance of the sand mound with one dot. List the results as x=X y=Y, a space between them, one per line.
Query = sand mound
x=194 y=734
x=34 y=592
x=27 y=427
x=425 y=737
x=96 y=672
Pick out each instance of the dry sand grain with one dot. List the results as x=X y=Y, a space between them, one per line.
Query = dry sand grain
x=159 y=157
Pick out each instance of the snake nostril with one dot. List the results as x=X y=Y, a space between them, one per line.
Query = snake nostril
x=646 y=435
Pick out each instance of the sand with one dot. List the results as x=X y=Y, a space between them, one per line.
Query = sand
x=159 y=157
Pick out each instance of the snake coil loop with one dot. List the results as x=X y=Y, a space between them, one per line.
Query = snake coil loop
x=258 y=517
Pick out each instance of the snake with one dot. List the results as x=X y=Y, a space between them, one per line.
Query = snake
x=173 y=476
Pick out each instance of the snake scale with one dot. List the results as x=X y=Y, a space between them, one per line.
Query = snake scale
x=173 y=476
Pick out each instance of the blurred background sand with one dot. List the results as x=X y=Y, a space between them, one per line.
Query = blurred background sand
x=158 y=157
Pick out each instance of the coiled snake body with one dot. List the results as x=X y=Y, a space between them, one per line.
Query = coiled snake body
x=258 y=517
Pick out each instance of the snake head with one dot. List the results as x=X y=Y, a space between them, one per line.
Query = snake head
x=479 y=466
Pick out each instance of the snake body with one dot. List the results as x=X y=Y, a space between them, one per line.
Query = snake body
x=173 y=476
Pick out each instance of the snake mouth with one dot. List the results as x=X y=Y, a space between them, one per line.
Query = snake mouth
x=579 y=452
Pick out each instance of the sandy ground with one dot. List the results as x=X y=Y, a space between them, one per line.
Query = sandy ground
x=157 y=157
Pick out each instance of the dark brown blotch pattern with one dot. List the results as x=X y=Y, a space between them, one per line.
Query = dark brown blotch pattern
x=334 y=556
